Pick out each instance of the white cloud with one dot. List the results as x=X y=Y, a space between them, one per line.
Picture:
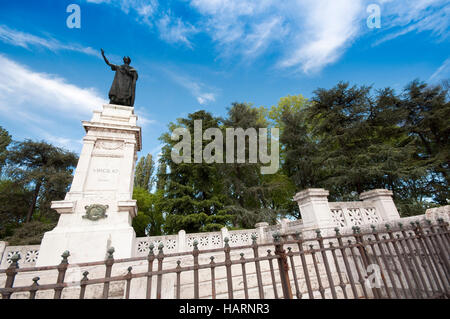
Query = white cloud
x=41 y=101
x=25 y=40
x=402 y=17
x=309 y=34
x=174 y=30
x=443 y=72
x=328 y=27
x=145 y=9
x=33 y=92
x=305 y=35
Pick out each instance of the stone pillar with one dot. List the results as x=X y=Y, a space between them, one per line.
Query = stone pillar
x=382 y=200
x=313 y=204
x=260 y=230
x=3 y=245
x=181 y=241
x=98 y=210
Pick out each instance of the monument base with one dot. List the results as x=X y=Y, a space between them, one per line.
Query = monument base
x=86 y=246
x=98 y=211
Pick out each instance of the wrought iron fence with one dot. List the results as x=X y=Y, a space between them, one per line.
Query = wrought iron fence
x=401 y=262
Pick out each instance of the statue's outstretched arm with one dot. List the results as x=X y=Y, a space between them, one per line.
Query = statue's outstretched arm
x=104 y=58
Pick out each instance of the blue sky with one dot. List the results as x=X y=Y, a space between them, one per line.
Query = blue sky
x=203 y=54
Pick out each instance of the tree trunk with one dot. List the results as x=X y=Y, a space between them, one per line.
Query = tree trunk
x=33 y=203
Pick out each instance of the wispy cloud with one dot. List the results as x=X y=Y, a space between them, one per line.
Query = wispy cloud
x=174 y=30
x=40 y=100
x=24 y=89
x=443 y=72
x=328 y=28
x=27 y=40
x=402 y=17
x=202 y=93
x=303 y=35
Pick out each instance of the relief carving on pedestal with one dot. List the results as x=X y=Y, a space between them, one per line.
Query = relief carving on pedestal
x=95 y=212
x=109 y=145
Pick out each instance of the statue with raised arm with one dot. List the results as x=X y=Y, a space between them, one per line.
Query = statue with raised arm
x=124 y=85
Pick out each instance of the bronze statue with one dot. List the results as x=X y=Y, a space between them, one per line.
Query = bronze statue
x=124 y=85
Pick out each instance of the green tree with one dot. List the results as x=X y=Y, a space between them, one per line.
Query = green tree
x=44 y=169
x=427 y=111
x=144 y=173
x=5 y=140
x=195 y=194
x=150 y=219
x=254 y=197
x=161 y=176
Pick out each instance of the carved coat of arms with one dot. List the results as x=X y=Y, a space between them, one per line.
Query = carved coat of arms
x=95 y=212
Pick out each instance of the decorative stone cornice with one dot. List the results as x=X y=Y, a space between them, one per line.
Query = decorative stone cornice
x=311 y=193
x=375 y=193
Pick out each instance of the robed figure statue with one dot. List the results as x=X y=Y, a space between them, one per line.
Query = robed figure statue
x=124 y=85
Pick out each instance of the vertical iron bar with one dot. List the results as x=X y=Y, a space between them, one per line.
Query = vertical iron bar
x=426 y=270
x=11 y=273
x=62 y=268
x=150 y=259
x=440 y=249
x=109 y=262
x=380 y=265
x=355 y=260
x=227 y=249
x=213 y=278
x=420 y=240
x=272 y=274
x=402 y=263
x=434 y=257
x=195 y=254
x=364 y=257
x=283 y=267
x=244 y=275
x=396 y=270
x=338 y=269
x=386 y=263
x=304 y=265
x=178 y=270
x=417 y=263
x=257 y=267
x=128 y=278
x=346 y=263
x=160 y=258
x=298 y=293
x=34 y=288
x=327 y=266
x=83 y=284
x=319 y=280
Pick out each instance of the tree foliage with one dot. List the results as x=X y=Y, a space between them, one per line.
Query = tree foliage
x=44 y=169
x=143 y=176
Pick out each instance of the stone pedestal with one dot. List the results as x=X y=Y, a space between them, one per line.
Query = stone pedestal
x=313 y=204
x=383 y=202
x=98 y=210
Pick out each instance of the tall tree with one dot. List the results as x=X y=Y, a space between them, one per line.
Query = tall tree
x=195 y=195
x=44 y=168
x=5 y=140
x=150 y=219
x=252 y=194
x=427 y=113
x=161 y=176
x=144 y=173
